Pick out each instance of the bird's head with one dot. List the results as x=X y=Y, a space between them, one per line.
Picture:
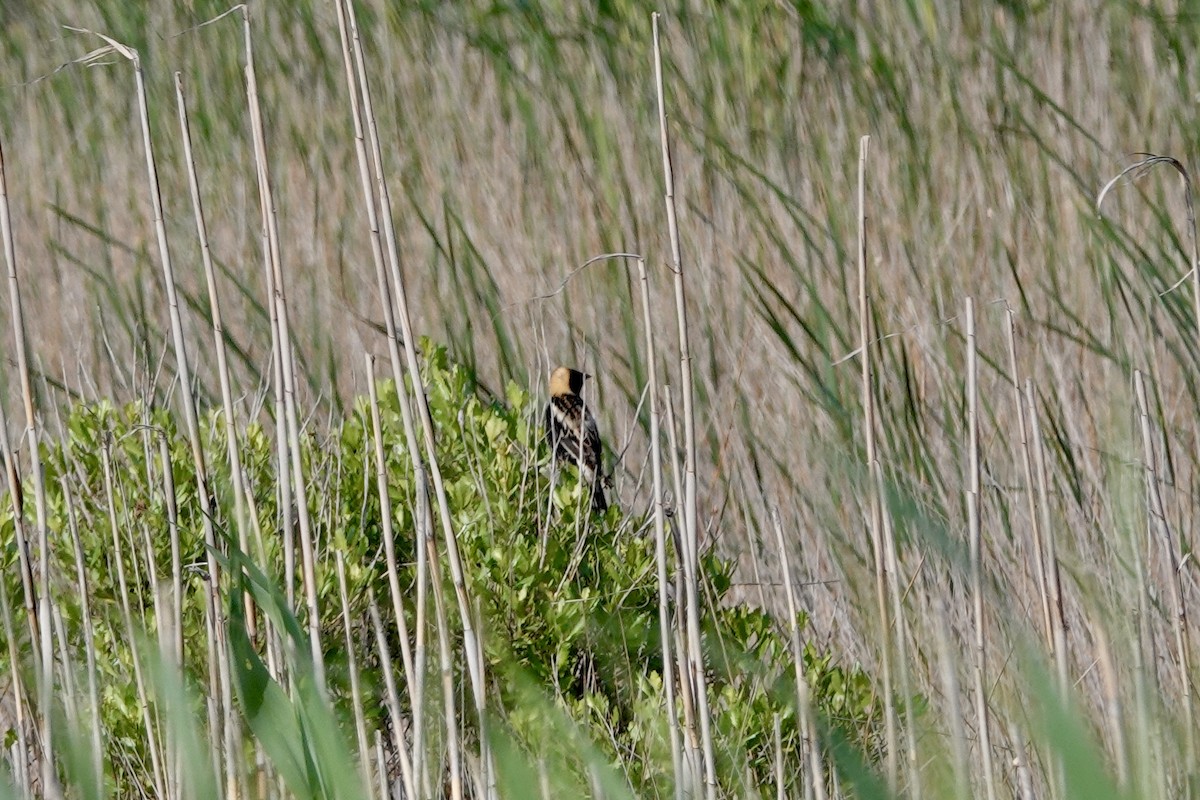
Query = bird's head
x=565 y=380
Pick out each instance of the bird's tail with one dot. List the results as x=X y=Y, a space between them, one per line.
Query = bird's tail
x=599 y=501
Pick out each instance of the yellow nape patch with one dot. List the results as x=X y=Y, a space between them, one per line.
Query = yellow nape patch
x=561 y=381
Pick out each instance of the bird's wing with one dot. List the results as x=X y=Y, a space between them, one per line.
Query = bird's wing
x=563 y=416
x=573 y=436
x=568 y=424
x=591 y=442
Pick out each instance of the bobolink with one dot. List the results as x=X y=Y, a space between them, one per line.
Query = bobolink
x=572 y=433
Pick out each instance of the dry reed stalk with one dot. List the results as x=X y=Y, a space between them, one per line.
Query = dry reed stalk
x=472 y=638
x=544 y=792
x=804 y=709
x=37 y=601
x=393 y=701
x=89 y=633
x=948 y=668
x=660 y=534
x=691 y=533
x=1145 y=688
x=1057 y=613
x=1039 y=567
x=1113 y=710
x=360 y=90
x=397 y=364
x=1021 y=765
x=146 y=435
x=687 y=684
x=445 y=658
x=207 y=508
x=1057 y=617
x=218 y=330
x=1174 y=555
x=389 y=545
x=777 y=743
x=230 y=740
x=381 y=770
x=168 y=635
x=900 y=641
x=283 y=485
x=1037 y=515
x=170 y=501
x=420 y=656
x=286 y=500
x=157 y=773
x=876 y=476
x=21 y=703
x=24 y=557
x=976 y=550
x=278 y=299
x=1160 y=529
x=356 y=699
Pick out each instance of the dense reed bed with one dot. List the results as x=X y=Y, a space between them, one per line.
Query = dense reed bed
x=868 y=357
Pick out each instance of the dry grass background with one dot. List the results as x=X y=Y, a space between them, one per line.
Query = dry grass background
x=523 y=141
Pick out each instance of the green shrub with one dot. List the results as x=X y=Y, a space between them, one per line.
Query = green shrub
x=567 y=601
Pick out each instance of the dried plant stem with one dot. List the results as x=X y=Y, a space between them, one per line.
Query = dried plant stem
x=687 y=685
x=166 y=646
x=445 y=657
x=24 y=557
x=402 y=392
x=1021 y=764
x=1057 y=614
x=389 y=534
x=1038 y=519
x=218 y=331
x=22 y=725
x=660 y=534
x=948 y=663
x=687 y=388
x=157 y=773
x=1161 y=532
x=89 y=634
x=285 y=353
x=393 y=701
x=188 y=401
x=170 y=631
x=360 y=722
x=876 y=476
x=777 y=745
x=286 y=500
x=1114 y=712
x=164 y=454
x=411 y=670
x=37 y=602
x=472 y=642
x=976 y=552
x=1039 y=565
x=804 y=709
x=17 y=317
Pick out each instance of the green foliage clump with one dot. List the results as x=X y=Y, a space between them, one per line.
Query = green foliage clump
x=567 y=601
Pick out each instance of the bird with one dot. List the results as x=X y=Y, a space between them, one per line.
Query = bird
x=572 y=433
